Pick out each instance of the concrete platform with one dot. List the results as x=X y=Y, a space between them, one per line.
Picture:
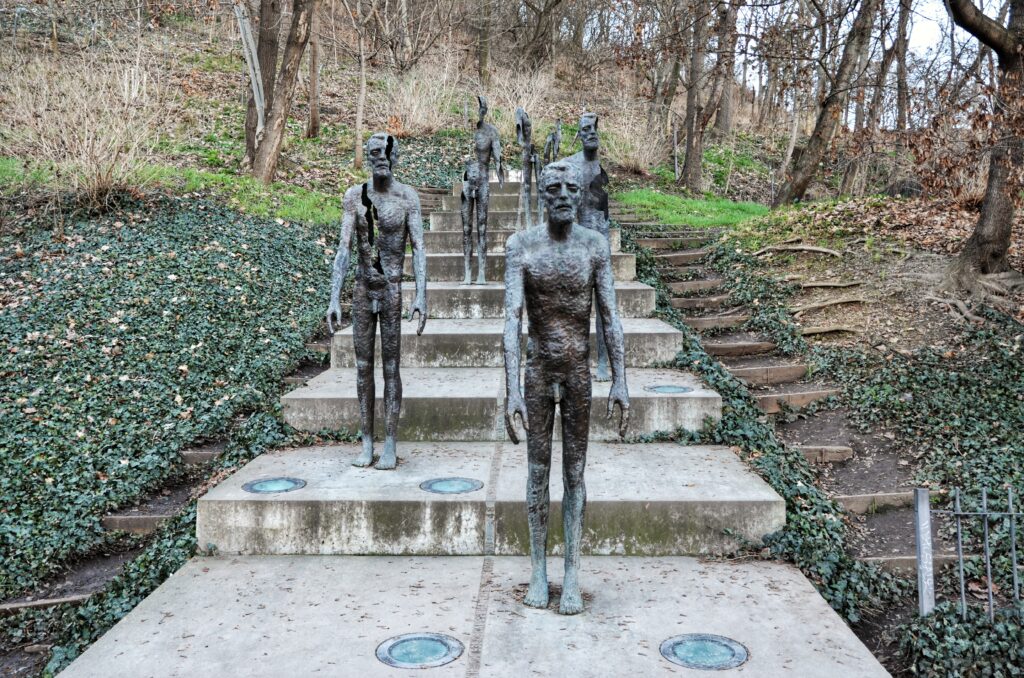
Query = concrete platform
x=452 y=203
x=645 y=499
x=453 y=300
x=450 y=266
x=453 y=403
x=510 y=188
x=478 y=343
x=451 y=241
x=266 y=617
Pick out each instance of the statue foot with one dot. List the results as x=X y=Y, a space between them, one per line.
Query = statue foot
x=468 y=280
x=603 y=374
x=480 y=279
x=389 y=458
x=537 y=595
x=572 y=599
x=365 y=457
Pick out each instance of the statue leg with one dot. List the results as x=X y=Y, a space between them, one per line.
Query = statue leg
x=468 y=210
x=391 y=353
x=540 y=408
x=575 y=413
x=482 y=203
x=364 y=337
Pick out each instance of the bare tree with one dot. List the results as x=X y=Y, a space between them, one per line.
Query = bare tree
x=266 y=53
x=360 y=17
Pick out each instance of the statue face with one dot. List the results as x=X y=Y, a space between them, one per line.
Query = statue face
x=560 y=184
x=483 y=106
x=588 y=132
x=378 y=158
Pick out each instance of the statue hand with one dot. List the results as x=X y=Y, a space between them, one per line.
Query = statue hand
x=515 y=405
x=619 y=395
x=333 y=315
x=419 y=306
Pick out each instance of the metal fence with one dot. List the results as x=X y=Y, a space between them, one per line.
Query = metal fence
x=923 y=513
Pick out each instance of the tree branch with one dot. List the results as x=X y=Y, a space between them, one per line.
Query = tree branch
x=985 y=29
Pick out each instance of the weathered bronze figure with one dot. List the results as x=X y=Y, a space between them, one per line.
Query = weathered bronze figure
x=593 y=208
x=487 y=146
x=555 y=270
x=524 y=135
x=383 y=213
x=552 y=145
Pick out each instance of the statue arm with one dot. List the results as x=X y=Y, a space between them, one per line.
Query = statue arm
x=341 y=259
x=496 y=153
x=512 y=340
x=419 y=260
x=604 y=287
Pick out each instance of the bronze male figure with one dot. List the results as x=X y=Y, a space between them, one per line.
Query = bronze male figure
x=524 y=135
x=593 y=208
x=487 y=147
x=555 y=270
x=384 y=214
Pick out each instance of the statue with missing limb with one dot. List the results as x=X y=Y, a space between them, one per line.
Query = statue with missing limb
x=487 y=147
x=593 y=208
x=384 y=214
x=552 y=145
x=524 y=135
x=555 y=270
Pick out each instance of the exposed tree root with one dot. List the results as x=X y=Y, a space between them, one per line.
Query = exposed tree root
x=958 y=309
x=797 y=248
x=831 y=283
x=800 y=310
x=827 y=329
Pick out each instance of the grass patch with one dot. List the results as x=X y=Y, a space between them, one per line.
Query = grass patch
x=675 y=210
x=126 y=340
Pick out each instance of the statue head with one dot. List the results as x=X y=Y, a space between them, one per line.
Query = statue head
x=524 y=128
x=588 y=131
x=482 y=102
x=382 y=154
x=561 y=186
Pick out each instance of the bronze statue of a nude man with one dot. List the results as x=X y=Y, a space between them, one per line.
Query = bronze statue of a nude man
x=555 y=270
x=593 y=208
x=383 y=213
x=487 y=147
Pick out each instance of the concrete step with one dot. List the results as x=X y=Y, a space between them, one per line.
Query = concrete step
x=715 y=322
x=680 y=258
x=264 y=617
x=133 y=523
x=451 y=266
x=871 y=503
x=451 y=299
x=505 y=201
x=445 y=404
x=510 y=188
x=825 y=454
x=678 y=501
x=695 y=286
x=202 y=454
x=701 y=303
x=908 y=563
x=800 y=396
x=674 y=242
x=478 y=343
x=452 y=221
x=451 y=241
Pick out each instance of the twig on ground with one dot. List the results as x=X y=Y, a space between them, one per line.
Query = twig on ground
x=831 y=283
x=797 y=248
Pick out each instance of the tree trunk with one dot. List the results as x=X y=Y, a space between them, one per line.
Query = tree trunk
x=727 y=55
x=694 y=148
x=902 y=89
x=484 y=47
x=267 y=46
x=313 y=128
x=264 y=165
x=831 y=108
x=360 y=105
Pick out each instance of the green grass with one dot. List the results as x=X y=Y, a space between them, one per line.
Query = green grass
x=14 y=175
x=676 y=210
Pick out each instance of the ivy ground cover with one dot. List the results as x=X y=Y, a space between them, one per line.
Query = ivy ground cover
x=126 y=340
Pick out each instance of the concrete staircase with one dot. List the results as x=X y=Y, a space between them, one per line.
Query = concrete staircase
x=313 y=581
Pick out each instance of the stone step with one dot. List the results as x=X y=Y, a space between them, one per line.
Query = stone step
x=478 y=343
x=870 y=503
x=451 y=266
x=695 y=286
x=451 y=241
x=265 y=617
x=134 y=523
x=768 y=375
x=452 y=221
x=680 y=258
x=802 y=396
x=450 y=299
x=825 y=454
x=716 y=322
x=445 y=404
x=674 y=242
x=510 y=188
x=453 y=203
x=202 y=454
x=904 y=564
x=702 y=303
x=728 y=347
x=678 y=501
